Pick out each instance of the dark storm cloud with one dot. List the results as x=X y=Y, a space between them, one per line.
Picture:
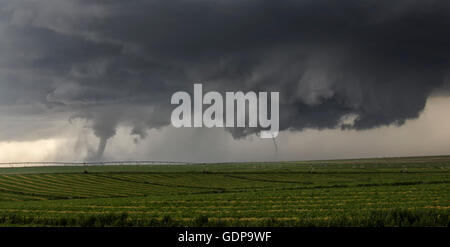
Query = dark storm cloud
x=118 y=62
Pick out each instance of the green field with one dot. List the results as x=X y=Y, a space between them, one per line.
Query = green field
x=411 y=191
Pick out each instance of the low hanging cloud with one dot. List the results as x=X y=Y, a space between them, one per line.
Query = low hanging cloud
x=117 y=62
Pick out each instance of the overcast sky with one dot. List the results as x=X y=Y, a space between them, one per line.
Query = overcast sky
x=356 y=78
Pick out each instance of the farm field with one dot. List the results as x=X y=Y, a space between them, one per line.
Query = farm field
x=413 y=191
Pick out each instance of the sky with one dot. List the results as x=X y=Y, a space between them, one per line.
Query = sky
x=356 y=78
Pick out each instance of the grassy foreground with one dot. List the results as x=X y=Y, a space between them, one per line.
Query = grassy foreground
x=411 y=191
